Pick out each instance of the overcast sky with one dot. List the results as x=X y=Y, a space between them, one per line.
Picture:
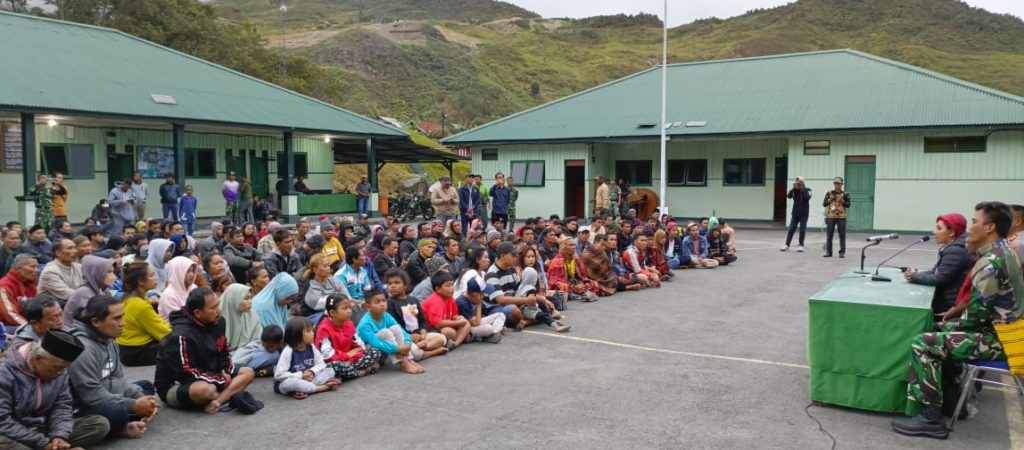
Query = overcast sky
x=682 y=12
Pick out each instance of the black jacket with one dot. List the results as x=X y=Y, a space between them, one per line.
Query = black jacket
x=193 y=352
x=416 y=269
x=276 y=263
x=948 y=274
x=801 y=201
x=383 y=263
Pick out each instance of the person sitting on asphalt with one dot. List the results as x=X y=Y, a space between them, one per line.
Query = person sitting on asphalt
x=63 y=275
x=567 y=273
x=98 y=276
x=283 y=258
x=16 y=288
x=997 y=297
x=97 y=376
x=637 y=262
x=502 y=275
x=35 y=397
x=717 y=248
x=408 y=312
x=442 y=312
x=416 y=268
x=953 y=266
x=143 y=326
x=43 y=313
x=379 y=330
x=488 y=328
x=695 y=249
x=599 y=268
x=194 y=369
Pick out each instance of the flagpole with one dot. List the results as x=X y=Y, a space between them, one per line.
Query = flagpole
x=664 y=113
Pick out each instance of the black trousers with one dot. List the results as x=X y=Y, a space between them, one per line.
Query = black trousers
x=831 y=225
x=793 y=222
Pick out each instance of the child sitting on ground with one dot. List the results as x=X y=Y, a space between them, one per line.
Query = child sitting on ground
x=379 y=330
x=408 y=311
x=336 y=339
x=264 y=360
x=301 y=370
x=443 y=312
x=484 y=328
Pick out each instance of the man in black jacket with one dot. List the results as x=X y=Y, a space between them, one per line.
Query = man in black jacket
x=801 y=195
x=284 y=258
x=193 y=367
x=387 y=259
x=416 y=268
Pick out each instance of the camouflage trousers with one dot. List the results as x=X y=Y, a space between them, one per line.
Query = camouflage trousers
x=44 y=218
x=931 y=351
x=231 y=211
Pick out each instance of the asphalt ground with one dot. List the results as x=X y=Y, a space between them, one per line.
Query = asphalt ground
x=714 y=359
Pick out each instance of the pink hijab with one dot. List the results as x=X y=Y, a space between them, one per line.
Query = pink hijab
x=174 y=295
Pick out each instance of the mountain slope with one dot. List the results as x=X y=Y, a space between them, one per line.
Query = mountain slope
x=489 y=59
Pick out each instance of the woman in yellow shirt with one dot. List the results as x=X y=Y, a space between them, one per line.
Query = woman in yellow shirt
x=143 y=327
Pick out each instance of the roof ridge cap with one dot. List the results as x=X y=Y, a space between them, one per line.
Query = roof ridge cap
x=755 y=58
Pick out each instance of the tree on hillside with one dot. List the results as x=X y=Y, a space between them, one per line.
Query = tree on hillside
x=19 y=6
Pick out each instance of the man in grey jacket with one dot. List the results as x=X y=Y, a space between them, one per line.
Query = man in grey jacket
x=97 y=377
x=122 y=206
x=35 y=398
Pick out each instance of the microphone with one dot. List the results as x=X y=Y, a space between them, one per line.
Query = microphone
x=883 y=237
x=877 y=277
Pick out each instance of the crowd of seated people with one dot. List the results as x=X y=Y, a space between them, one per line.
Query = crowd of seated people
x=310 y=306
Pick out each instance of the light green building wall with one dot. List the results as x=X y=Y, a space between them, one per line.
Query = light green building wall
x=733 y=202
x=913 y=187
x=534 y=201
x=85 y=193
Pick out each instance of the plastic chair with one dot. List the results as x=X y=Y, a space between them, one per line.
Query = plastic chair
x=973 y=367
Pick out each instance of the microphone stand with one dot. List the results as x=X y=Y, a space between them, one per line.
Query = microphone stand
x=862 y=257
x=877 y=277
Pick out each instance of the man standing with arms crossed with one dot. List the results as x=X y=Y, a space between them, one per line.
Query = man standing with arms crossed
x=500 y=196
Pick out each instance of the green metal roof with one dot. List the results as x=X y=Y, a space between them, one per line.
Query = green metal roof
x=801 y=92
x=62 y=67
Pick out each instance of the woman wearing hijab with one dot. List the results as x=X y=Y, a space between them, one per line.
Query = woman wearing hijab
x=953 y=265
x=97 y=275
x=271 y=304
x=181 y=279
x=183 y=245
x=160 y=251
x=243 y=327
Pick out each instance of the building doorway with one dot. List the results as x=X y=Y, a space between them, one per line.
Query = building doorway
x=781 y=183
x=575 y=187
x=260 y=174
x=119 y=168
x=860 y=184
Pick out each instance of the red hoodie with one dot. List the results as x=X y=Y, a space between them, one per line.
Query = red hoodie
x=342 y=340
x=14 y=291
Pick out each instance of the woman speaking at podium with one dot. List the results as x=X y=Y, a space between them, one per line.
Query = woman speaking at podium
x=953 y=264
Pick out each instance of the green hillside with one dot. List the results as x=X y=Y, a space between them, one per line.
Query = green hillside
x=480 y=66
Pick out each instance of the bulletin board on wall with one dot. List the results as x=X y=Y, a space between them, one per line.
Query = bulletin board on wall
x=154 y=162
x=10 y=142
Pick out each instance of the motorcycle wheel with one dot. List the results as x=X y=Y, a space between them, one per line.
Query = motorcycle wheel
x=428 y=213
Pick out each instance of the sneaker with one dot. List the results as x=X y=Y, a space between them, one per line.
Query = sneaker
x=842 y=255
x=493 y=339
x=244 y=403
x=785 y=248
x=928 y=423
x=800 y=249
x=827 y=255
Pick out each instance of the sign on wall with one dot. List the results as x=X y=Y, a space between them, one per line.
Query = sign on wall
x=155 y=162
x=13 y=159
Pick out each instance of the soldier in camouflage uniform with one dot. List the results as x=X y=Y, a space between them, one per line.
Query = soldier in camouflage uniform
x=997 y=296
x=513 y=196
x=43 y=199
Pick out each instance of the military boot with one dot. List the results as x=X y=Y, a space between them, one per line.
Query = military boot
x=929 y=423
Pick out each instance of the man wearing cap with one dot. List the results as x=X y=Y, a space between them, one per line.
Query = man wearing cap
x=417 y=268
x=486 y=328
x=445 y=200
x=801 y=195
x=332 y=249
x=36 y=408
x=362 y=227
x=836 y=203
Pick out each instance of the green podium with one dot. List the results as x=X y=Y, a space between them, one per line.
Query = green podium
x=858 y=342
